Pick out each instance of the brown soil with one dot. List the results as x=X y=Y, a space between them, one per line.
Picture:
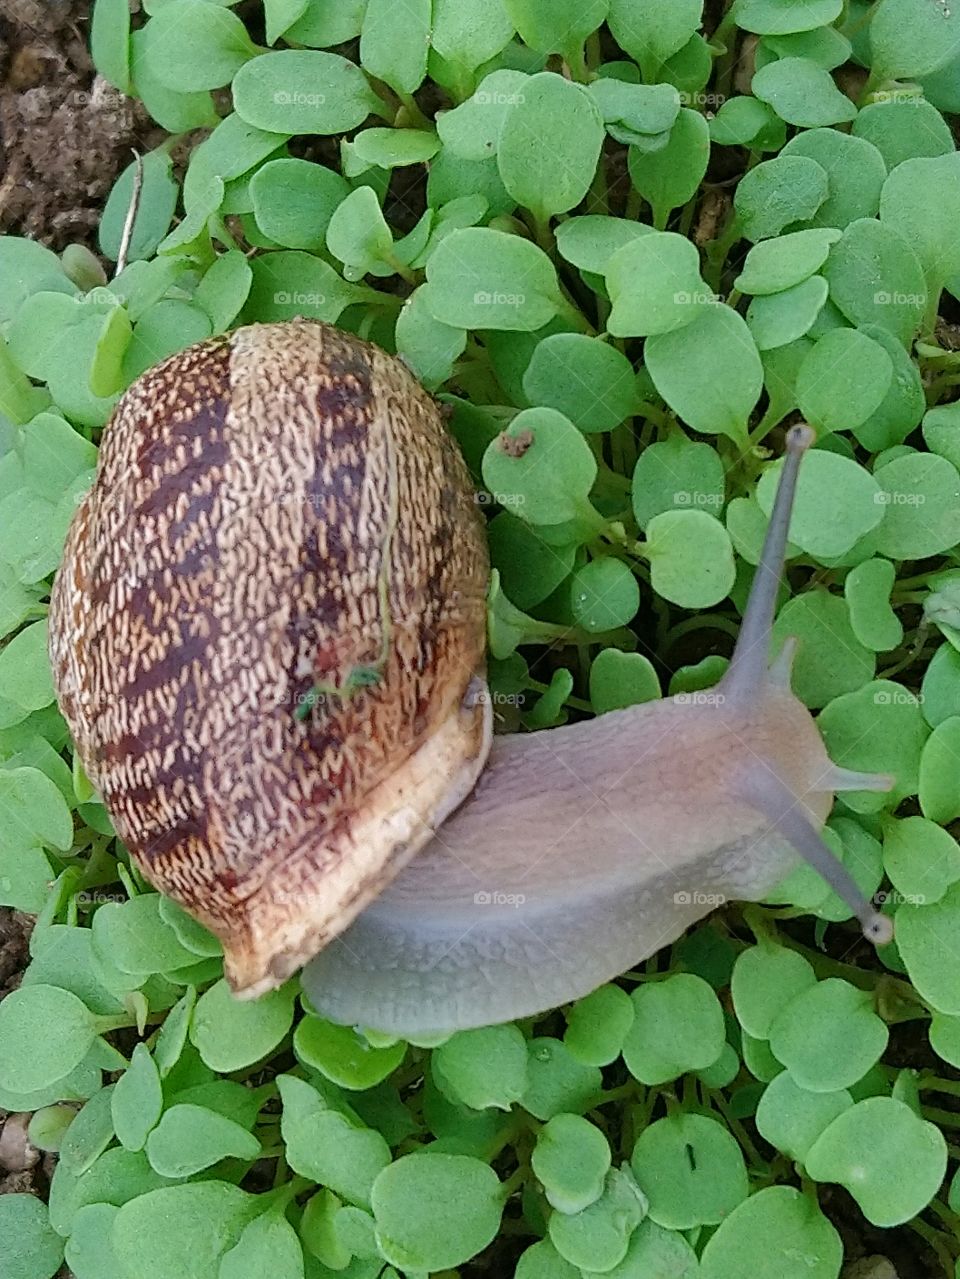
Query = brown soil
x=65 y=134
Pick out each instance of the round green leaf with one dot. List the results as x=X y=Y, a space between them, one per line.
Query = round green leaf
x=921 y=200
x=691 y=558
x=32 y=1249
x=909 y=38
x=589 y=381
x=193 y=45
x=792 y=1118
x=597 y=1024
x=802 y=93
x=435 y=1211
x=395 y=42
x=230 y=1033
x=842 y=380
x=867 y=590
x=604 y=595
x=782 y=17
x=837 y=503
x=600 y=1234
x=939 y=785
x=865 y=1143
x=709 y=372
x=780 y=318
x=655 y=285
x=921 y=497
x=329 y=1147
x=828 y=1036
x=571 y=1159
x=618 y=680
x=774 y=265
x=764 y=979
x=904 y=128
x=557 y=1081
x=677 y=474
x=778 y=1233
x=44 y=1033
x=181 y=1231
x=691 y=1169
x=590 y=241
x=677 y=1026
x=877 y=729
x=771 y=195
x=137 y=1100
x=549 y=144
x=190 y=1138
x=302 y=91
x=670 y=176
x=486 y=279
x=541 y=466
x=746 y=121
x=294 y=200
x=483 y=1068
x=876 y=278
x=157 y=202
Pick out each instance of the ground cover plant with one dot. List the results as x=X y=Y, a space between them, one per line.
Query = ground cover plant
x=659 y=235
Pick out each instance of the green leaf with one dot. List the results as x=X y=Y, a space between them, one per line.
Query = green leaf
x=677 y=1026
x=842 y=380
x=792 y=1118
x=133 y=937
x=867 y=589
x=268 y=1245
x=780 y=318
x=588 y=380
x=193 y=45
x=110 y=42
x=181 y=1231
x=764 y=979
x=33 y=809
x=394 y=43
x=190 y=1138
x=25 y=669
x=861 y=1147
x=691 y=558
x=538 y=174
x=342 y=1055
x=561 y=28
x=604 y=595
x=691 y=1170
x=909 y=39
x=777 y=1233
x=600 y=1234
x=903 y=129
x=921 y=200
x=590 y=241
x=32 y=1249
x=541 y=466
x=329 y=1147
x=175 y=112
x=137 y=1100
x=655 y=285
x=878 y=729
x=157 y=202
x=571 y=1160
x=327 y=22
x=677 y=474
x=44 y=1033
x=428 y=346
x=294 y=200
x=783 y=17
x=828 y=1036
x=358 y=234
x=670 y=177
x=435 y=1211
x=598 y=1024
x=919 y=494
x=651 y=32
x=837 y=503
x=482 y=1068
x=855 y=174
x=478 y=278
x=302 y=91
x=224 y=288
x=637 y=113
x=556 y=1081
x=618 y=680
x=802 y=93
x=746 y=121
x=771 y=195
x=876 y=278
x=230 y=1034
x=774 y=265
x=468 y=33
x=938 y=790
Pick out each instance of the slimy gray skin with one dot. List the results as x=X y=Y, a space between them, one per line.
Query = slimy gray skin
x=267 y=637
x=585 y=849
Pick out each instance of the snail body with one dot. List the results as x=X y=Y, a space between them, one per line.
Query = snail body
x=267 y=637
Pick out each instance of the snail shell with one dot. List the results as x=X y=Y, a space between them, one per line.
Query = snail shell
x=269 y=613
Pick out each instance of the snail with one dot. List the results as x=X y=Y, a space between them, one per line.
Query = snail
x=268 y=636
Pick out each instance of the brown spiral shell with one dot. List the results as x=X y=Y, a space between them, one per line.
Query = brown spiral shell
x=274 y=511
